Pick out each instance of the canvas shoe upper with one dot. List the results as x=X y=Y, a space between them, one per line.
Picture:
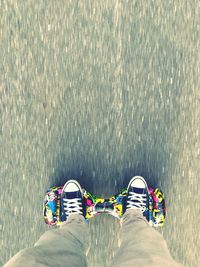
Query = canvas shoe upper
x=72 y=198
x=137 y=195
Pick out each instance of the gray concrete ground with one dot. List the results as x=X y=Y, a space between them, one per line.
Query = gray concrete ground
x=101 y=91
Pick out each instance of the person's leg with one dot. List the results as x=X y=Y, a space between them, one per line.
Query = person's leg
x=65 y=246
x=141 y=245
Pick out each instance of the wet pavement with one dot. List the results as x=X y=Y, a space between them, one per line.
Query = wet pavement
x=100 y=91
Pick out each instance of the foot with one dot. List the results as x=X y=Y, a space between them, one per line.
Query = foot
x=72 y=198
x=137 y=195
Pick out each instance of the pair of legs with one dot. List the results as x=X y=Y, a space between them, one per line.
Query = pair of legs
x=141 y=245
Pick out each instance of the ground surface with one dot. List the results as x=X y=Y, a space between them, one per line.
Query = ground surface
x=102 y=91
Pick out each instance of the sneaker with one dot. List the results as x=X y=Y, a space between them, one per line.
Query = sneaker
x=72 y=198
x=137 y=195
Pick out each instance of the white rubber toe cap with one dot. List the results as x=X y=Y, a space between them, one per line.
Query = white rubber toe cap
x=138 y=182
x=72 y=186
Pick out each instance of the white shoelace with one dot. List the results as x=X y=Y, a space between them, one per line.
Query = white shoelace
x=137 y=201
x=72 y=205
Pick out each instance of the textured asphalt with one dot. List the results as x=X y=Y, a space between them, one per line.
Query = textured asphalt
x=99 y=91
